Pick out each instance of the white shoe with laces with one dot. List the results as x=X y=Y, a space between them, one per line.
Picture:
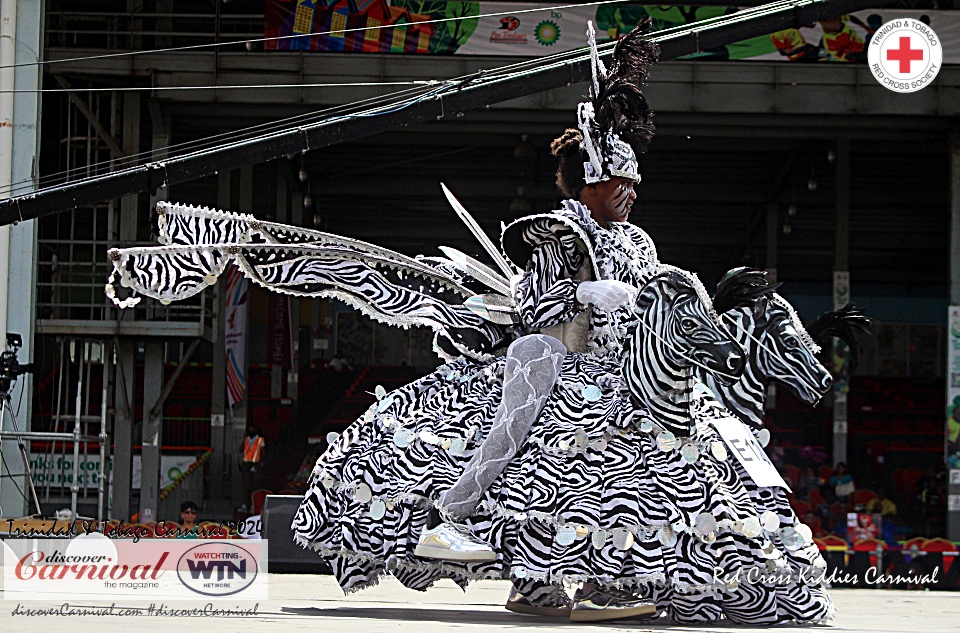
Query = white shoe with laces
x=453 y=542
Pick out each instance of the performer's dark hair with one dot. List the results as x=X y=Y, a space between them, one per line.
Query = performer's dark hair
x=570 y=176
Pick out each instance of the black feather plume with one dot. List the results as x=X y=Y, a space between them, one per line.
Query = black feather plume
x=740 y=288
x=620 y=106
x=843 y=324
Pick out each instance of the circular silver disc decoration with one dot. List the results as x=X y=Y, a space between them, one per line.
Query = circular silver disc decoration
x=388 y=421
x=763 y=437
x=738 y=527
x=770 y=521
x=402 y=437
x=709 y=537
x=363 y=494
x=591 y=393
x=563 y=445
x=581 y=439
x=791 y=538
x=751 y=527
x=391 y=504
x=666 y=440
x=327 y=481
x=705 y=523
x=377 y=509
x=332 y=437
x=622 y=539
x=667 y=537
x=719 y=451
x=806 y=534
x=379 y=392
x=446 y=443
x=520 y=572
x=582 y=531
x=457 y=446
x=566 y=535
x=679 y=526
x=599 y=538
x=646 y=426
x=520 y=516
x=429 y=437
x=771 y=565
x=601 y=445
x=690 y=453
x=210 y=279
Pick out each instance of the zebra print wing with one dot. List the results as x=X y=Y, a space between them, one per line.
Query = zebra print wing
x=393 y=289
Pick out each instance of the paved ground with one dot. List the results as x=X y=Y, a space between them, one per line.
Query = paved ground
x=316 y=604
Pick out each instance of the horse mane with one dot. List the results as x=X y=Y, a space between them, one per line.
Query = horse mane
x=843 y=324
x=741 y=288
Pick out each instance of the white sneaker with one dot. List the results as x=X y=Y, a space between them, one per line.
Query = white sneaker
x=454 y=542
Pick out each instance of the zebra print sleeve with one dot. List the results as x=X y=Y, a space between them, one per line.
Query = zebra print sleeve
x=546 y=294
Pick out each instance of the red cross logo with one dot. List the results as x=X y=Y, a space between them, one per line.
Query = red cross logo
x=905 y=54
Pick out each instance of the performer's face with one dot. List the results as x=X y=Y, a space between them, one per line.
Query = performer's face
x=611 y=200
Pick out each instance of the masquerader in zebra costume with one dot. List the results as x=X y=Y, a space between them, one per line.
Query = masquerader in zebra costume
x=599 y=492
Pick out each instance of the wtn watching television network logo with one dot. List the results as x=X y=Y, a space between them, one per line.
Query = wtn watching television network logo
x=217 y=569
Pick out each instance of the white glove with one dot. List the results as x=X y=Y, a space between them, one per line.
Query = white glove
x=608 y=294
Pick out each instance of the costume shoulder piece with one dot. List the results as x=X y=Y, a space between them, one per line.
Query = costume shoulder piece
x=521 y=236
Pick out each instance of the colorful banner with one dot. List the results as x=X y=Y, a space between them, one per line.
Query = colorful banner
x=953 y=388
x=446 y=28
x=278 y=331
x=235 y=327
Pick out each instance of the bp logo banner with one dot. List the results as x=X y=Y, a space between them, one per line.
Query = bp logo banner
x=528 y=29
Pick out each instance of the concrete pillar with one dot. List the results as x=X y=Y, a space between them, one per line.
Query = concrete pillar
x=129 y=213
x=21 y=47
x=152 y=436
x=773 y=234
x=239 y=414
x=222 y=471
x=841 y=296
x=953 y=479
x=121 y=488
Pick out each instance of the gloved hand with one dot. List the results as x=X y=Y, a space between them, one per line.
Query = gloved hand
x=608 y=294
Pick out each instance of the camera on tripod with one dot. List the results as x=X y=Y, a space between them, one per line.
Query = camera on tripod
x=10 y=366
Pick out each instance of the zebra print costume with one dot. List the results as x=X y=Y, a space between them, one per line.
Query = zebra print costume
x=600 y=491
x=779 y=349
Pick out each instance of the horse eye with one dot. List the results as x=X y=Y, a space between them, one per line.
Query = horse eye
x=791 y=343
x=688 y=324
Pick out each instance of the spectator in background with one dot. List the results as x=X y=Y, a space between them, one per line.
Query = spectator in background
x=188 y=520
x=882 y=506
x=339 y=363
x=251 y=458
x=775 y=451
x=807 y=481
x=842 y=483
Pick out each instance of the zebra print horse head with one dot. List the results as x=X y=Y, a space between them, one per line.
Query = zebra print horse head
x=778 y=349
x=677 y=330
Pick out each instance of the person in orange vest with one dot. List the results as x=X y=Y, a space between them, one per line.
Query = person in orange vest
x=251 y=456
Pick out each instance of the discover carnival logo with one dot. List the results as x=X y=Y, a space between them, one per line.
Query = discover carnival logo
x=217 y=569
x=905 y=55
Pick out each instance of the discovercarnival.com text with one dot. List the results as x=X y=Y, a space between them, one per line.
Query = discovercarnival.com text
x=67 y=609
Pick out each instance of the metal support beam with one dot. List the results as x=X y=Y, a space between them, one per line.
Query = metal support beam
x=467 y=93
x=152 y=431
x=129 y=213
x=841 y=296
x=91 y=118
x=123 y=429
